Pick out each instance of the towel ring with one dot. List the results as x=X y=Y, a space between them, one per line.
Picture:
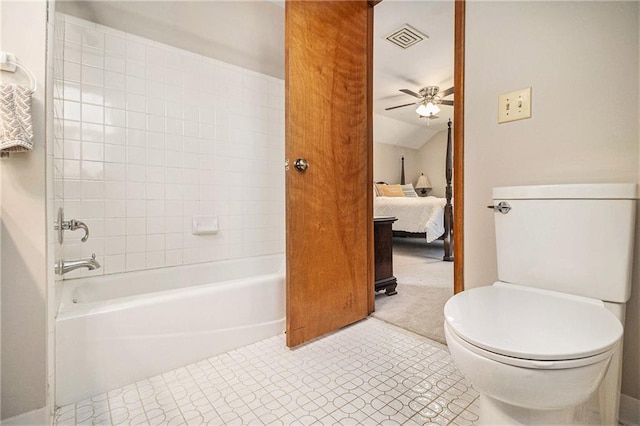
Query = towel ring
x=32 y=78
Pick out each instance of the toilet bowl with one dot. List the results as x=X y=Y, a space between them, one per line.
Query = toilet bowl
x=532 y=354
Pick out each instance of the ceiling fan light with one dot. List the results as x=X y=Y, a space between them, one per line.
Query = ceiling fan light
x=428 y=109
x=432 y=109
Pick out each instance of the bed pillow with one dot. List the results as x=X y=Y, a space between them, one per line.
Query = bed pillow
x=409 y=190
x=390 y=190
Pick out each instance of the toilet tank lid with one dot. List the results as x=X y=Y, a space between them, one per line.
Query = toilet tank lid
x=589 y=191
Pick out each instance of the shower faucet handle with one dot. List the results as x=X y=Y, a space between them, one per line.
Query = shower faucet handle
x=76 y=224
x=70 y=225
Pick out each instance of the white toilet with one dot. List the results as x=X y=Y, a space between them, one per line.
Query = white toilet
x=541 y=341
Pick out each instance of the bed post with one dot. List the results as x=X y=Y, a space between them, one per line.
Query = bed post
x=402 y=176
x=448 y=208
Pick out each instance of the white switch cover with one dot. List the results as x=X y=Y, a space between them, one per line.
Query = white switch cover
x=514 y=106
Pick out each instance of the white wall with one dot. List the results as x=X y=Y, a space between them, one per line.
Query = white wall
x=249 y=34
x=24 y=245
x=581 y=58
x=387 y=163
x=431 y=160
x=396 y=132
x=154 y=135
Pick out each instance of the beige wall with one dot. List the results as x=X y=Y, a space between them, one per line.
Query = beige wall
x=631 y=365
x=581 y=58
x=387 y=163
x=431 y=161
x=23 y=242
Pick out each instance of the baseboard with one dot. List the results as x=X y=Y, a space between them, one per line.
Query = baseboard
x=629 y=411
x=37 y=417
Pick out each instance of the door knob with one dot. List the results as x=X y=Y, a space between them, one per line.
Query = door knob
x=301 y=164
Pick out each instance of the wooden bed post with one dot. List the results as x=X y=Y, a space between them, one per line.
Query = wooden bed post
x=448 y=208
x=402 y=175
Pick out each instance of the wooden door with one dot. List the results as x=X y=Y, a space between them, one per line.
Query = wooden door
x=329 y=206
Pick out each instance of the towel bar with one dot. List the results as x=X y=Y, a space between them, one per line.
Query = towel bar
x=9 y=62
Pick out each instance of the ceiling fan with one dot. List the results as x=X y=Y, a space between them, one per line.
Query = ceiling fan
x=430 y=97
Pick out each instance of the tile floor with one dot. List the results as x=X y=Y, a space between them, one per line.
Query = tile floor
x=370 y=373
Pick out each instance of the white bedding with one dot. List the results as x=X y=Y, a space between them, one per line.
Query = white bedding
x=422 y=214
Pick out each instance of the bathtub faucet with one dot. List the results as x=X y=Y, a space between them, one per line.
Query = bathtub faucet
x=64 y=266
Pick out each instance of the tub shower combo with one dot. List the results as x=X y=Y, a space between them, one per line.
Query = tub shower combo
x=169 y=163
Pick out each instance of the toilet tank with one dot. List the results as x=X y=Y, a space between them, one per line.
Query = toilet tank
x=575 y=239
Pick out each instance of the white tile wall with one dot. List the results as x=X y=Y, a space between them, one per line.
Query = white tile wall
x=153 y=135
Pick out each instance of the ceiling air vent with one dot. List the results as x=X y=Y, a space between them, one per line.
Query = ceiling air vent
x=406 y=36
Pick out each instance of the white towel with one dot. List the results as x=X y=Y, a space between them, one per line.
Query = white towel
x=16 y=129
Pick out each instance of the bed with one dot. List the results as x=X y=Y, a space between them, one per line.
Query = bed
x=420 y=215
x=423 y=217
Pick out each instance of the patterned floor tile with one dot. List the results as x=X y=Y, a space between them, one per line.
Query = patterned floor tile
x=370 y=373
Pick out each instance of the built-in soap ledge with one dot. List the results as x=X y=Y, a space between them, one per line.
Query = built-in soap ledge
x=204 y=225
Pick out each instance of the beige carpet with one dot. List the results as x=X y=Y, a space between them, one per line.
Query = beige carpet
x=425 y=283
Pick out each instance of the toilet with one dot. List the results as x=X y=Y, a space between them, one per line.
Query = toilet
x=545 y=340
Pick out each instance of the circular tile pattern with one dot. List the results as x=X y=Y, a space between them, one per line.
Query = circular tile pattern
x=362 y=377
x=349 y=381
x=383 y=382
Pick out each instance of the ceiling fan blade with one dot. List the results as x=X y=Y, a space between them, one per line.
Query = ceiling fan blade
x=447 y=92
x=399 y=106
x=412 y=93
x=450 y=103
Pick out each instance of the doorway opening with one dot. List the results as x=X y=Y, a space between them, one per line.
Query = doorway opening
x=410 y=149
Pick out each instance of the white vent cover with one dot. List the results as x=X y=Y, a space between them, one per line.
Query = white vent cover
x=406 y=36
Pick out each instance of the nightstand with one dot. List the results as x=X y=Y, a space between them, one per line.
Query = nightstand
x=383 y=248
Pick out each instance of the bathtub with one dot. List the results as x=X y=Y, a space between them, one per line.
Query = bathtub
x=113 y=330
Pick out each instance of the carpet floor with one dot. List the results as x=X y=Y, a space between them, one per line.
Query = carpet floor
x=425 y=283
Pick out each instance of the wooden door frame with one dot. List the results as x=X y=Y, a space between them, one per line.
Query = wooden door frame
x=370 y=246
x=458 y=142
x=458 y=146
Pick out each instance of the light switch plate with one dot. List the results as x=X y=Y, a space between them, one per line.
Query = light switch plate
x=514 y=105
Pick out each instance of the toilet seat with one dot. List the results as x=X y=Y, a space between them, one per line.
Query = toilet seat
x=532 y=328
x=527 y=363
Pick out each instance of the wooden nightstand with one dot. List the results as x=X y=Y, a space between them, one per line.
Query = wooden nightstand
x=383 y=248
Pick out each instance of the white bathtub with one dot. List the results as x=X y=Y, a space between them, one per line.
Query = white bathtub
x=116 y=329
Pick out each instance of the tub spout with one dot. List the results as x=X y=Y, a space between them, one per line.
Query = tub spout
x=64 y=266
